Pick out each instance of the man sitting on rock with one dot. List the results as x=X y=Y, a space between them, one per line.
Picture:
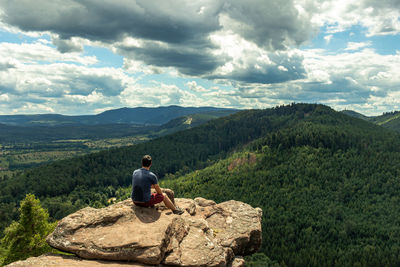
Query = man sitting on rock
x=142 y=182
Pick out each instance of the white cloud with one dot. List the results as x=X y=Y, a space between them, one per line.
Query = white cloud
x=176 y=34
x=27 y=53
x=352 y=46
x=159 y=94
x=356 y=79
x=38 y=78
x=364 y=81
x=4 y=98
x=73 y=44
x=378 y=17
x=93 y=97
x=195 y=87
x=328 y=38
x=246 y=62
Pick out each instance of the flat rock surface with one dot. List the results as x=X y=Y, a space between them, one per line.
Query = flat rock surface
x=207 y=234
x=56 y=260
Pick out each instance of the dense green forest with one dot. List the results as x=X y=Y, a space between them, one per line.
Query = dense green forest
x=328 y=183
x=329 y=196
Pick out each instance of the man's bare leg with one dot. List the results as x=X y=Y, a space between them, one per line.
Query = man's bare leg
x=168 y=202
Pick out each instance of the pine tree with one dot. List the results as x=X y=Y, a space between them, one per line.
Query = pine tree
x=26 y=238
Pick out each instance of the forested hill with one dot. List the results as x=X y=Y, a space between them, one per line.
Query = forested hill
x=390 y=120
x=329 y=188
x=67 y=185
x=355 y=114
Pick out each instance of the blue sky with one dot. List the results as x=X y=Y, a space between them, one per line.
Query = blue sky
x=84 y=57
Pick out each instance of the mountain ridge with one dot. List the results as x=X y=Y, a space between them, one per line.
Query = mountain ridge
x=139 y=115
x=390 y=120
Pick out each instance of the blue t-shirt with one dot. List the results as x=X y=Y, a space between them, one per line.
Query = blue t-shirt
x=142 y=180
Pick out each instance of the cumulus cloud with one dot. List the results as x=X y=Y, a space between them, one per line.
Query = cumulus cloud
x=27 y=53
x=173 y=34
x=356 y=46
x=379 y=17
x=161 y=95
x=35 y=77
x=252 y=64
x=31 y=86
x=195 y=87
x=385 y=16
x=5 y=65
x=351 y=79
x=34 y=83
x=273 y=24
x=364 y=81
x=171 y=22
x=280 y=68
x=65 y=46
x=189 y=61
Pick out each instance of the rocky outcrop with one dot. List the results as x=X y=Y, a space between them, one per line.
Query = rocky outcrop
x=57 y=260
x=207 y=234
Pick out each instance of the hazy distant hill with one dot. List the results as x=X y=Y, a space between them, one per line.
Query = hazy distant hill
x=157 y=116
x=140 y=115
x=35 y=132
x=355 y=114
x=390 y=120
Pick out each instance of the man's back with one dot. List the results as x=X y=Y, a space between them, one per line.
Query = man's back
x=142 y=179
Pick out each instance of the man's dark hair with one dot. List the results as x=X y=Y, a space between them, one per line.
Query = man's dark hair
x=146 y=161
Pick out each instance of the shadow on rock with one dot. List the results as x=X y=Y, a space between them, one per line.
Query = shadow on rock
x=146 y=215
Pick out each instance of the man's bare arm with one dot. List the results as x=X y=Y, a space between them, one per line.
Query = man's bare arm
x=157 y=188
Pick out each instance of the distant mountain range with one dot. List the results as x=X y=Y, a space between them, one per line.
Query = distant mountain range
x=151 y=122
x=140 y=116
x=390 y=120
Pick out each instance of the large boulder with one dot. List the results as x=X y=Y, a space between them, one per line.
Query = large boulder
x=121 y=231
x=237 y=225
x=207 y=234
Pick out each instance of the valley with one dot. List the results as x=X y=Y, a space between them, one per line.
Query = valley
x=28 y=141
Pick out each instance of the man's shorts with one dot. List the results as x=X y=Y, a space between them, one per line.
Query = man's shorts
x=154 y=199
